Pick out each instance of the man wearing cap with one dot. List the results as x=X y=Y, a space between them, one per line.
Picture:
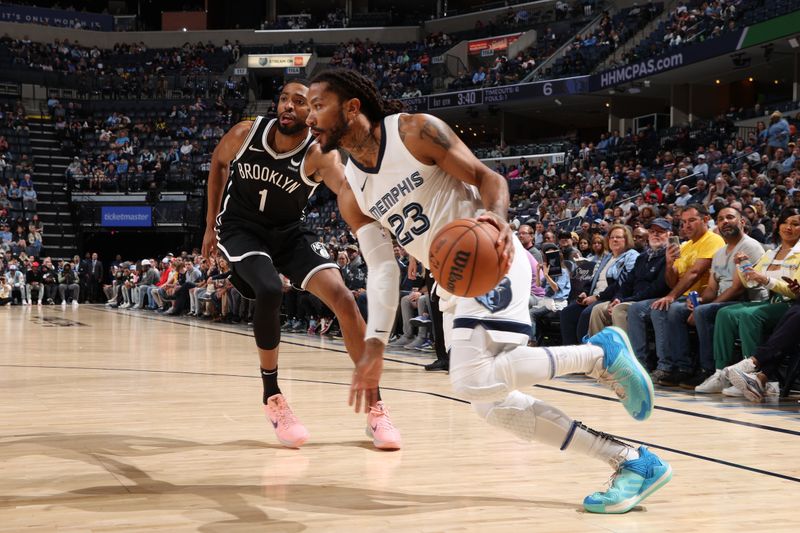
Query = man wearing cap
x=33 y=281
x=687 y=270
x=149 y=277
x=16 y=279
x=167 y=273
x=701 y=167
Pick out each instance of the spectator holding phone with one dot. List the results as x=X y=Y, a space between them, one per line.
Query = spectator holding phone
x=557 y=285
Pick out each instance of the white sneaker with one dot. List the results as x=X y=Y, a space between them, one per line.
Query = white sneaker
x=752 y=388
x=64 y=303
x=75 y=303
x=713 y=383
x=745 y=365
x=733 y=392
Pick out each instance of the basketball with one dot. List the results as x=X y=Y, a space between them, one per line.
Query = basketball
x=464 y=259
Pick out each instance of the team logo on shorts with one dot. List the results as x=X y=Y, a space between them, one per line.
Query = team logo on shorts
x=498 y=298
x=320 y=250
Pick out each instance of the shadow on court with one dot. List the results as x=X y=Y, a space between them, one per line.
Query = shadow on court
x=282 y=486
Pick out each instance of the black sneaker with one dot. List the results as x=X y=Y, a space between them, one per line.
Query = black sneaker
x=440 y=365
x=696 y=379
x=672 y=379
x=664 y=378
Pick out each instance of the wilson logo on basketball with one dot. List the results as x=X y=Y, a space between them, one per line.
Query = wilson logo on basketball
x=460 y=262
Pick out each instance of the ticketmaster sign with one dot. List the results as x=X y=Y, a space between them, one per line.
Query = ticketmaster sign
x=126 y=216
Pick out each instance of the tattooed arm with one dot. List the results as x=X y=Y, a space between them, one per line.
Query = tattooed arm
x=432 y=142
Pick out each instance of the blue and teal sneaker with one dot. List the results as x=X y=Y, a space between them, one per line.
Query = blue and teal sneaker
x=623 y=372
x=634 y=481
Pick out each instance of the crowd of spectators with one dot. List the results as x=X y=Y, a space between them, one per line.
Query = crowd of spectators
x=397 y=70
x=698 y=21
x=337 y=18
x=20 y=228
x=124 y=70
x=587 y=51
x=138 y=149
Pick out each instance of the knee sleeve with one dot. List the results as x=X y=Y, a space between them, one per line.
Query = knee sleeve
x=527 y=418
x=259 y=273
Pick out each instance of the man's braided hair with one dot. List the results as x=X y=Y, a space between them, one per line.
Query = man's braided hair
x=347 y=84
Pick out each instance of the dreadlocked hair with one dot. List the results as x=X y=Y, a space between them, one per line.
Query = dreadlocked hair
x=349 y=84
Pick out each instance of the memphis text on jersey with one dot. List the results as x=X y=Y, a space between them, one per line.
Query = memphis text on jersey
x=263 y=173
x=391 y=198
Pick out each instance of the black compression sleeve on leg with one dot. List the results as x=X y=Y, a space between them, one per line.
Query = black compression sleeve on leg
x=259 y=272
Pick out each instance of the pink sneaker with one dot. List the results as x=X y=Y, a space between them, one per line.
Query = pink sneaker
x=291 y=433
x=380 y=428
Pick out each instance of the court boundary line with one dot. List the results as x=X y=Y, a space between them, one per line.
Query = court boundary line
x=412 y=391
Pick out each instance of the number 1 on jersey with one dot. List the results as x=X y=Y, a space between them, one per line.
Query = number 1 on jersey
x=263 y=194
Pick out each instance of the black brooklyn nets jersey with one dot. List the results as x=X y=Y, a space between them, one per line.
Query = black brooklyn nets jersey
x=265 y=187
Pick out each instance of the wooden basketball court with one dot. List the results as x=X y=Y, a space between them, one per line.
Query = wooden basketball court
x=126 y=420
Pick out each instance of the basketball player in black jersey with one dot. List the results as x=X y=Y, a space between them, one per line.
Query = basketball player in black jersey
x=262 y=174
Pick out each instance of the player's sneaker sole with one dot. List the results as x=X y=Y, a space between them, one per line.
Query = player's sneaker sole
x=626 y=371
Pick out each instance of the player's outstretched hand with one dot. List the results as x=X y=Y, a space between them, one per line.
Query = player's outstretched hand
x=367 y=376
x=505 y=241
x=209 y=243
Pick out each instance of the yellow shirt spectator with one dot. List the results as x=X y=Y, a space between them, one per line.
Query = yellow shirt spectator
x=704 y=248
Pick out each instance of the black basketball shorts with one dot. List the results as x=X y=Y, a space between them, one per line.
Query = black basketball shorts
x=294 y=251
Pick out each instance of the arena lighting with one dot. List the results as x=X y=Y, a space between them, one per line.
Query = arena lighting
x=750 y=79
x=717 y=82
x=183 y=29
x=608 y=104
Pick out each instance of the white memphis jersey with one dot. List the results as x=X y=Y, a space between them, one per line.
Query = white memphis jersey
x=413 y=200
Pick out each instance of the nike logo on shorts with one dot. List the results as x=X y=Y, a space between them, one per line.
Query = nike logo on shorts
x=254 y=149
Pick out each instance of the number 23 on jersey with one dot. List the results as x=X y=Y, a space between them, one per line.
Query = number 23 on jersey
x=419 y=223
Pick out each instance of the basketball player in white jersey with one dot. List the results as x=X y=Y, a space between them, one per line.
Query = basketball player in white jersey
x=262 y=174
x=410 y=174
